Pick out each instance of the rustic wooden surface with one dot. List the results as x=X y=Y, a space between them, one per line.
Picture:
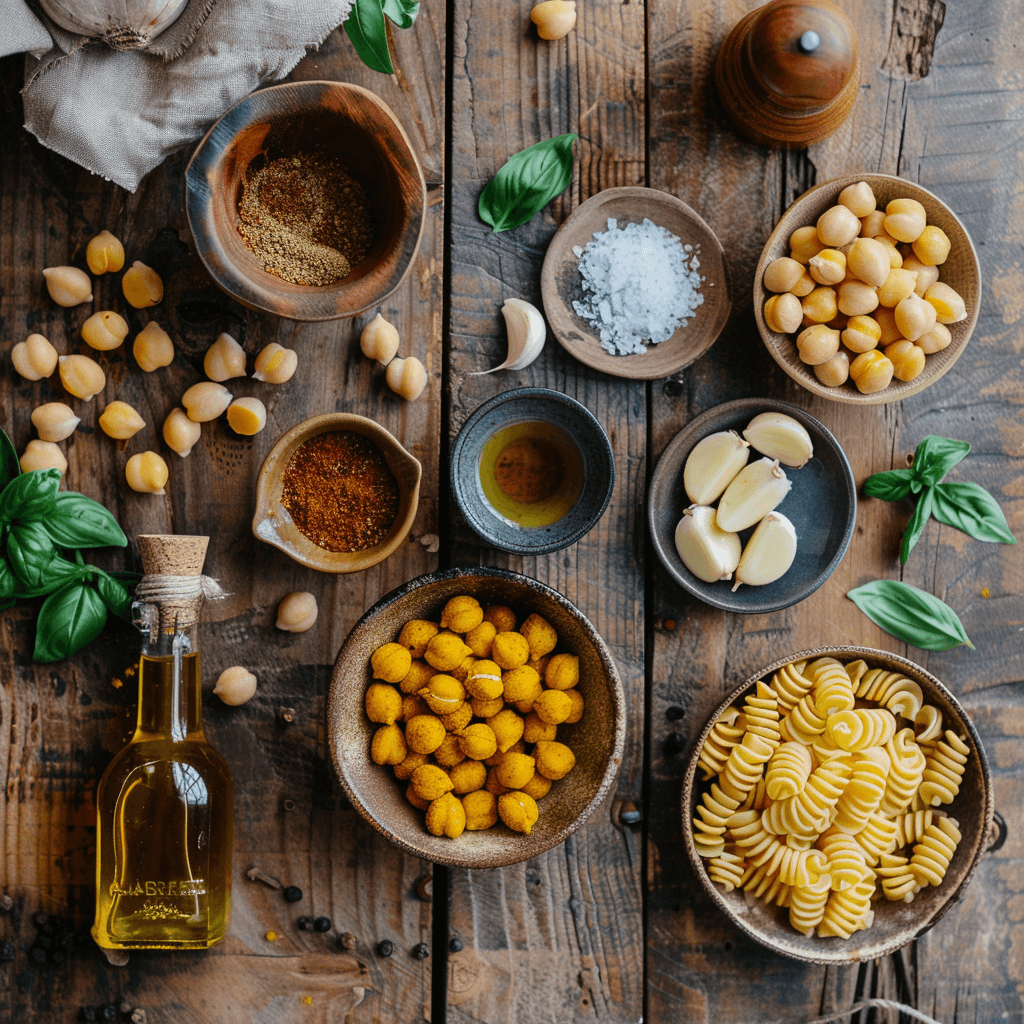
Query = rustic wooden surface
x=612 y=925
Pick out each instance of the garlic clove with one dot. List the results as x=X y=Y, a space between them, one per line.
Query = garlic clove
x=769 y=552
x=527 y=333
x=756 y=490
x=224 y=359
x=68 y=286
x=379 y=340
x=713 y=464
x=780 y=437
x=708 y=551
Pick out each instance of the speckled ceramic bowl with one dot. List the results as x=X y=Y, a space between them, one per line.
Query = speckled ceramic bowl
x=588 y=443
x=596 y=740
x=895 y=924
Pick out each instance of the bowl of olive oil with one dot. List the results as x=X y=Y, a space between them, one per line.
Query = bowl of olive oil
x=532 y=471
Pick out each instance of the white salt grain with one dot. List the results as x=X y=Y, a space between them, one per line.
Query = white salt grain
x=639 y=284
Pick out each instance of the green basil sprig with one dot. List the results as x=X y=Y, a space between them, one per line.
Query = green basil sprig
x=527 y=182
x=964 y=506
x=9 y=465
x=368 y=30
x=911 y=615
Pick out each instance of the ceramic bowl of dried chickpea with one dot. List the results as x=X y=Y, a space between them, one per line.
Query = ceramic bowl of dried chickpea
x=307 y=200
x=868 y=289
x=475 y=717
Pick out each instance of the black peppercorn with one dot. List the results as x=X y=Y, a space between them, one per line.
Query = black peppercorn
x=420 y=951
x=674 y=744
x=322 y=924
x=38 y=954
x=385 y=947
x=305 y=923
x=40 y=918
x=292 y=893
x=109 y=1013
x=87 y=1014
x=58 y=956
x=455 y=944
x=7 y=952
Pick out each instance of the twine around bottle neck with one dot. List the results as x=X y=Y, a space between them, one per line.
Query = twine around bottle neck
x=179 y=598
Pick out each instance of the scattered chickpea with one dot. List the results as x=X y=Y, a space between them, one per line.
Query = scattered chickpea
x=862 y=334
x=142 y=286
x=34 y=358
x=224 y=359
x=180 y=432
x=54 y=421
x=827 y=267
x=914 y=316
x=379 y=340
x=247 y=416
x=554 y=18
x=42 y=455
x=120 y=421
x=834 y=372
x=235 y=685
x=104 y=253
x=820 y=306
x=781 y=275
x=146 y=473
x=907 y=359
x=104 y=331
x=153 y=347
x=817 y=344
x=837 y=226
x=205 y=401
x=948 y=303
x=68 y=286
x=905 y=219
x=407 y=377
x=871 y=372
x=783 y=313
x=275 y=364
x=297 y=612
x=81 y=376
x=858 y=198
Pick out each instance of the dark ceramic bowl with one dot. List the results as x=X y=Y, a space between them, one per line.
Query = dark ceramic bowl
x=589 y=452
x=822 y=506
x=596 y=740
x=895 y=924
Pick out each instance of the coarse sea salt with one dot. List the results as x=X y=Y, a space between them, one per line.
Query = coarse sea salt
x=640 y=283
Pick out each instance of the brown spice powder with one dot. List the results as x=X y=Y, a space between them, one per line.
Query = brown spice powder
x=306 y=219
x=339 y=491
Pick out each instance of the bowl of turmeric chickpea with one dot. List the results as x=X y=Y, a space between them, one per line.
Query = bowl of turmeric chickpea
x=475 y=717
x=868 y=289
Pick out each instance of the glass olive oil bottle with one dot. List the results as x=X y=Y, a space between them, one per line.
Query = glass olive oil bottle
x=164 y=804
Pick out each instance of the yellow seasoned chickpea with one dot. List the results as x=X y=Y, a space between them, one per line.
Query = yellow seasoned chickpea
x=448 y=755
x=871 y=372
x=817 y=344
x=416 y=634
x=856 y=298
x=146 y=473
x=104 y=331
x=424 y=734
x=905 y=219
x=948 y=303
x=515 y=770
x=562 y=672
x=501 y=617
x=404 y=769
x=935 y=340
x=907 y=359
x=477 y=741
x=552 y=706
x=862 y=334
x=458 y=720
x=390 y=663
x=538 y=787
x=461 y=614
x=483 y=681
x=418 y=802
x=578 y=703
x=540 y=635
x=898 y=285
x=418 y=676
x=926 y=275
x=932 y=246
x=510 y=649
x=481 y=809
x=153 y=347
x=833 y=373
x=858 y=198
x=914 y=316
x=820 y=306
x=895 y=256
x=479 y=640
x=780 y=275
x=468 y=777
x=782 y=313
x=413 y=705
x=535 y=728
x=383 y=703
x=443 y=693
x=42 y=455
x=446 y=651
x=507 y=727
x=429 y=782
x=873 y=224
x=388 y=745
x=142 y=286
x=869 y=260
x=886 y=320
x=486 y=708
x=554 y=760
x=805 y=243
x=446 y=817
x=837 y=226
x=518 y=811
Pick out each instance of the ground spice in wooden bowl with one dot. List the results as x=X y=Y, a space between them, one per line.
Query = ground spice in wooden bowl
x=339 y=491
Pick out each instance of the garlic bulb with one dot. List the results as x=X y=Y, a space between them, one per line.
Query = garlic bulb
x=769 y=552
x=526 y=334
x=708 y=551
x=121 y=24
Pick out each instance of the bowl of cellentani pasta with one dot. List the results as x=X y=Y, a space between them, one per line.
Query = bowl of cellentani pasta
x=837 y=803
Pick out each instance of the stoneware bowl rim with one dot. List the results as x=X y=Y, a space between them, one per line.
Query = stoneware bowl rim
x=266 y=293
x=861 y=946
x=418 y=841
x=405 y=468
x=476 y=510
x=667 y=476
x=688 y=343
x=781 y=345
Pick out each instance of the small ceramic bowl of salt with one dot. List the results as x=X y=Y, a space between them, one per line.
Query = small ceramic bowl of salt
x=635 y=284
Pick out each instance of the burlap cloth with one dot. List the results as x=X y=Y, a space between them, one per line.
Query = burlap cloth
x=120 y=113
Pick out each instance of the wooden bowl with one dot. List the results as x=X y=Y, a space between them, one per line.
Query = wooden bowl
x=895 y=924
x=961 y=271
x=822 y=506
x=596 y=740
x=561 y=283
x=337 y=119
x=272 y=523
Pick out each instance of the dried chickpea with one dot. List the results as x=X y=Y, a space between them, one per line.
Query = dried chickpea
x=804 y=286
x=501 y=617
x=68 y=286
x=535 y=728
x=540 y=635
x=297 y=612
x=390 y=663
x=868 y=259
x=862 y=334
x=480 y=638
x=404 y=769
x=388 y=745
x=153 y=347
x=224 y=359
x=907 y=359
x=898 y=285
x=54 y=421
x=205 y=401
x=105 y=331
x=34 y=358
x=905 y=219
x=120 y=421
x=429 y=782
x=554 y=18
x=926 y=275
x=562 y=672
x=379 y=340
x=275 y=364
x=782 y=313
x=42 y=455
x=424 y=733
x=81 y=376
x=446 y=817
x=416 y=634
x=817 y=343
x=146 y=473
x=948 y=303
x=780 y=275
x=552 y=706
x=858 y=198
x=886 y=320
x=515 y=770
x=468 y=777
x=538 y=787
x=820 y=306
x=247 y=416
x=932 y=246
x=872 y=224
x=446 y=651
x=518 y=811
x=895 y=256
x=481 y=809
x=805 y=243
x=935 y=340
x=235 y=685
x=554 y=760
x=857 y=298
x=833 y=372
x=406 y=377
x=180 y=433
x=871 y=372
x=914 y=316
x=383 y=703
x=461 y=614
x=142 y=286
x=104 y=254
x=827 y=267
x=448 y=755
x=837 y=226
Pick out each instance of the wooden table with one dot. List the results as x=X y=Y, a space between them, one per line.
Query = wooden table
x=612 y=925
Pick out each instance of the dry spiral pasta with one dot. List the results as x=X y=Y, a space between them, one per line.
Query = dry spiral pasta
x=788 y=770
x=932 y=854
x=943 y=770
x=898 y=881
x=861 y=728
x=724 y=735
x=833 y=689
x=791 y=685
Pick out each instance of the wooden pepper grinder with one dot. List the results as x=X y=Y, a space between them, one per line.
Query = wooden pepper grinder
x=787 y=74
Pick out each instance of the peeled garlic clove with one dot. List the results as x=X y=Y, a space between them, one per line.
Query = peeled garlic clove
x=406 y=377
x=235 y=685
x=81 y=376
x=708 y=551
x=527 y=333
x=379 y=340
x=713 y=464
x=297 y=612
x=68 y=286
x=153 y=347
x=275 y=364
x=756 y=490
x=146 y=473
x=104 y=253
x=54 y=421
x=206 y=401
x=42 y=455
x=34 y=358
x=180 y=432
x=780 y=437
x=769 y=552
x=142 y=286
x=120 y=421
x=104 y=331
x=225 y=359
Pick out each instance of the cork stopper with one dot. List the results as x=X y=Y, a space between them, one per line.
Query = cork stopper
x=166 y=554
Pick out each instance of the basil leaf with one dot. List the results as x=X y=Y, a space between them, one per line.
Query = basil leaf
x=969 y=507
x=9 y=465
x=365 y=27
x=8 y=583
x=935 y=457
x=79 y=522
x=527 y=182
x=911 y=615
x=890 y=486
x=917 y=523
x=69 y=619
x=113 y=594
x=402 y=12
x=34 y=560
x=30 y=496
